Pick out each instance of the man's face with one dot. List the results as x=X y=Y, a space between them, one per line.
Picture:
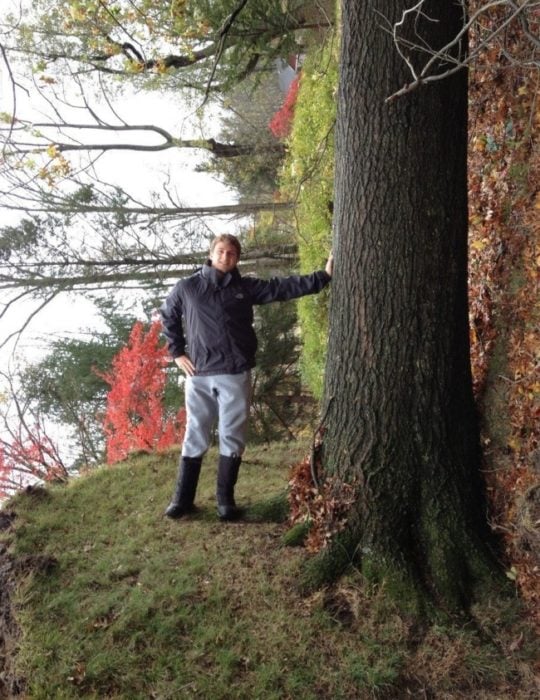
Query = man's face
x=224 y=256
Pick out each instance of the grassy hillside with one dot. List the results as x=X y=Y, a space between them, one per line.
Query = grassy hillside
x=111 y=600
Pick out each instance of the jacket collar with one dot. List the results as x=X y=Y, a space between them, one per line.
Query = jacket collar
x=214 y=277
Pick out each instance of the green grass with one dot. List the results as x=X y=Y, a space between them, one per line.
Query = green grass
x=115 y=601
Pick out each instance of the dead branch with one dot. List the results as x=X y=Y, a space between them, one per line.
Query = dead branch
x=438 y=64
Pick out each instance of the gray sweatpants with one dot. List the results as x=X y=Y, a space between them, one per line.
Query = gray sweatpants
x=225 y=398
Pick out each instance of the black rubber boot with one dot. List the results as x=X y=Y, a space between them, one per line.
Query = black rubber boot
x=186 y=486
x=226 y=480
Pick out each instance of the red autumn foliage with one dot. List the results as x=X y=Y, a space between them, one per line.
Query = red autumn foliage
x=28 y=456
x=281 y=123
x=504 y=171
x=134 y=417
x=322 y=502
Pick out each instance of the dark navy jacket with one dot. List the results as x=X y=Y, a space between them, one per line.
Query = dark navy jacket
x=215 y=312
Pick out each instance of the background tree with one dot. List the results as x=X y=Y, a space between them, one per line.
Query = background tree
x=60 y=161
x=247 y=110
x=399 y=419
x=76 y=228
x=60 y=135
x=102 y=240
x=281 y=406
x=204 y=45
x=67 y=386
x=28 y=454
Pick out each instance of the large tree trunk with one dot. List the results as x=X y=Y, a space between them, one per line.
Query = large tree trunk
x=400 y=416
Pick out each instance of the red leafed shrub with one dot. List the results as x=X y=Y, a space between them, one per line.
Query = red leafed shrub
x=134 y=417
x=4 y=474
x=28 y=455
x=281 y=122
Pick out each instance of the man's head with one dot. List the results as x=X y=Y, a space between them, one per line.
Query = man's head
x=225 y=252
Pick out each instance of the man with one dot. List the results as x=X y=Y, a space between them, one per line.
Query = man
x=208 y=323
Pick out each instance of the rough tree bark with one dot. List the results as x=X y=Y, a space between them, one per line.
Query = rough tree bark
x=400 y=417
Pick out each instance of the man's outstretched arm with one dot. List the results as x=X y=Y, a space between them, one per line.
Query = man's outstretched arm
x=292 y=287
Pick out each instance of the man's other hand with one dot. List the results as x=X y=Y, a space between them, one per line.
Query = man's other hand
x=186 y=365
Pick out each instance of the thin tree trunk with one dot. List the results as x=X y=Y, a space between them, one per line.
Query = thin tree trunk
x=241 y=209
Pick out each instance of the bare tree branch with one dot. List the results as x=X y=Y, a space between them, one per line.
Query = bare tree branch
x=28 y=319
x=427 y=64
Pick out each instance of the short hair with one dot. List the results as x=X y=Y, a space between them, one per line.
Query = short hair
x=228 y=238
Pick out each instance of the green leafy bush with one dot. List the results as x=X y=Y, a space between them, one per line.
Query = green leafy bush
x=308 y=179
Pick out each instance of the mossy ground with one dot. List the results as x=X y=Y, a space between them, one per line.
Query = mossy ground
x=133 y=605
